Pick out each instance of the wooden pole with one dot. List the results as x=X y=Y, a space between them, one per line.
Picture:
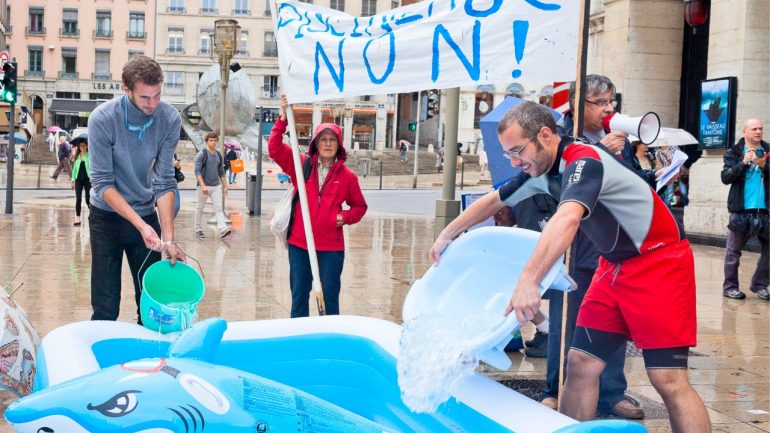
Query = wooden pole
x=311 y=252
x=577 y=116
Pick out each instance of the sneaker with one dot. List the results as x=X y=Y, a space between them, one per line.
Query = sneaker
x=53 y=178
x=550 y=403
x=538 y=346
x=224 y=232
x=735 y=294
x=77 y=221
x=199 y=234
x=763 y=295
x=627 y=408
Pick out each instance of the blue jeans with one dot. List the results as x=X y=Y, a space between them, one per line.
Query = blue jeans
x=177 y=201
x=111 y=236
x=231 y=175
x=613 y=384
x=301 y=279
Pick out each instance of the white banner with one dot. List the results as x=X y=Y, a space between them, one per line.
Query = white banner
x=326 y=54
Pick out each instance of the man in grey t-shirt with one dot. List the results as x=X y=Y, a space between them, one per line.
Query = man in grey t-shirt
x=210 y=176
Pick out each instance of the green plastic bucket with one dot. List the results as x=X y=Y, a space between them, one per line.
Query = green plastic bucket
x=170 y=296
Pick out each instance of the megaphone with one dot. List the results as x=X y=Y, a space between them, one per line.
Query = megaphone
x=645 y=127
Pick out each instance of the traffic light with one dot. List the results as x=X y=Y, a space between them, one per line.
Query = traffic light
x=413 y=126
x=9 y=83
x=432 y=104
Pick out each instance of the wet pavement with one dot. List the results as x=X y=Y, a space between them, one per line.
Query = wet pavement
x=48 y=259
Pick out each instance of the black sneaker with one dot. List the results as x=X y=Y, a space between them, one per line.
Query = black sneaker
x=736 y=294
x=540 y=339
x=199 y=234
x=762 y=293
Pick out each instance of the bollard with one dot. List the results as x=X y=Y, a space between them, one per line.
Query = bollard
x=380 y=174
x=462 y=174
x=39 y=169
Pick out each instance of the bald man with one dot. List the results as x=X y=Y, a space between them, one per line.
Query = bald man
x=746 y=171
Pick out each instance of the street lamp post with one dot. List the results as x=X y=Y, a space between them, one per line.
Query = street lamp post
x=226 y=34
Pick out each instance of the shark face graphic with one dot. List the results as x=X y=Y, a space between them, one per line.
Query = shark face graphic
x=180 y=394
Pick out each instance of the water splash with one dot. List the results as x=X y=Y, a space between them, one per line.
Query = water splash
x=435 y=357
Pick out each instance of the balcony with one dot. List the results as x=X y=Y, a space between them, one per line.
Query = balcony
x=34 y=31
x=174 y=50
x=204 y=52
x=68 y=75
x=208 y=11
x=103 y=76
x=241 y=53
x=65 y=33
x=34 y=74
x=173 y=88
x=136 y=36
x=267 y=12
x=241 y=12
x=176 y=9
x=270 y=52
x=102 y=34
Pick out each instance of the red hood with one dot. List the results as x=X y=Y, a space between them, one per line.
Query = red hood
x=341 y=153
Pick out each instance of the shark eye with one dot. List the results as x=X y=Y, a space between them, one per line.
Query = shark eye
x=119 y=405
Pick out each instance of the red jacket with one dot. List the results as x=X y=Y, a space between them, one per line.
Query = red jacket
x=340 y=186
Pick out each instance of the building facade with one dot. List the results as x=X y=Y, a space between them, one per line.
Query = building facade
x=70 y=53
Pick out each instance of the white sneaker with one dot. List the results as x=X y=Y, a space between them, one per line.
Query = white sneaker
x=224 y=232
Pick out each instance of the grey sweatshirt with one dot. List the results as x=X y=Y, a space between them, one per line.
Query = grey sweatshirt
x=213 y=170
x=141 y=170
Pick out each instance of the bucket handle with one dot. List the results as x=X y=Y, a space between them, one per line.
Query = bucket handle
x=161 y=250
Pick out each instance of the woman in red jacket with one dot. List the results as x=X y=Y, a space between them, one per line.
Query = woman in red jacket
x=330 y=184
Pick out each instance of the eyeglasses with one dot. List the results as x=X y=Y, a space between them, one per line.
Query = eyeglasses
x=603 y=103
x=508 y=154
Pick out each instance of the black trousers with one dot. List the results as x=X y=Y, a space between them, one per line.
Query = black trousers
x=111 y=236
x=80 y=187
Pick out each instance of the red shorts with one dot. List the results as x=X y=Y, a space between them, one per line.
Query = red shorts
x=649 y=298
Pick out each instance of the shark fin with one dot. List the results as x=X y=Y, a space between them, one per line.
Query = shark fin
x=199 y=342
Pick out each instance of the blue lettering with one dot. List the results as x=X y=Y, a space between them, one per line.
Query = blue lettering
x=339 y=78
x=385 y=26
x=355 y=33
x=332 y=29
x=371 y=21
x=543 y=6
x=474 y=13
x=430 y=9
x=406 y=19
x=282 y=22
x=320 y=20
x=473 y=69
x=391 y=59
x=306 y=24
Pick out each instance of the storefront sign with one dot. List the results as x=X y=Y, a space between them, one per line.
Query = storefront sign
x=101 y=85
x=425 y=45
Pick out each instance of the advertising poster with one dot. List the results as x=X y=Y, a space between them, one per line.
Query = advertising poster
x=717 y=113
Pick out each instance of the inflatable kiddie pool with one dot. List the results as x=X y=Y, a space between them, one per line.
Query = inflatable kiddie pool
x=318 y=374
x=333 y=374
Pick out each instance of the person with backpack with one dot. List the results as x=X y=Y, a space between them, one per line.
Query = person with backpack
x=329 y=185
x=210 y=175
x=230 y=156
x=64 y=154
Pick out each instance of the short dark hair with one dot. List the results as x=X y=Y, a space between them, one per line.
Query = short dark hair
x=144 y=69
x=530 y=116
x=213 y=135
x=595 y=85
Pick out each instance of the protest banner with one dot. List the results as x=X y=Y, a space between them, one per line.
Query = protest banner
x=327 y=54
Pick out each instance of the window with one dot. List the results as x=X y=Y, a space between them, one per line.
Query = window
x=176 y=6
x=35 y=61
x=205 y=46
x=175 y=40
x=394 y=4
x=270 y=88
x=337 y=4
x=368 y=8
x=69 y=26
x=136 y=25
x=69 y=62
x=271 y=46
x=243 y=44
x=306 y=1
x=208 y=6
x=173 y=83
x=134 y=53
x=240 y=7
x=67 y=95
x=102 y=68
x=36 y=21
x=95 y=96
x=103 y=24
x=267 y=9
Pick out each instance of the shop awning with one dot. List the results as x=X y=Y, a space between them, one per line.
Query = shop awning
x=73 y=107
